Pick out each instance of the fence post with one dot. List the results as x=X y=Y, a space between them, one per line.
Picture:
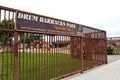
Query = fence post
x=81 y=57
x=106 y=51
x=15 y=55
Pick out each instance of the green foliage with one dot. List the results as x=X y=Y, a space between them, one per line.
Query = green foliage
x=110 y=50
x=6 y=24
x=116 y=51
x=26 y=37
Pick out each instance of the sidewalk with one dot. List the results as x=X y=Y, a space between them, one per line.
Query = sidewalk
x=110 y=71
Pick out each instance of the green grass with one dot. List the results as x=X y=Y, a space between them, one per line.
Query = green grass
x=116 y=51
x=39 y=66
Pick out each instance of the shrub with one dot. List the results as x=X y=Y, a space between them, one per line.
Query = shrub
x=110 y=50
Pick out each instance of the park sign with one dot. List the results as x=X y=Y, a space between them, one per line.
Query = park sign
x=42 y=24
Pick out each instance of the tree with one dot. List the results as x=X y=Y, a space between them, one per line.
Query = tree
x=5 y=35
x=110 y=49
x=6 y=24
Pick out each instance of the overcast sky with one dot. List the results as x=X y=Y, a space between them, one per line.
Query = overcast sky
x=101 y=14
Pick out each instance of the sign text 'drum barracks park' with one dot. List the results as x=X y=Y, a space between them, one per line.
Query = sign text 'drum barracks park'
x=32 y=22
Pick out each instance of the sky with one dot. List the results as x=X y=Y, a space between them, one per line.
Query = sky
x=100 y=14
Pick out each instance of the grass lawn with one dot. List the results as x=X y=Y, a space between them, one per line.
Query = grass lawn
x=116 y=51
x=39 y=66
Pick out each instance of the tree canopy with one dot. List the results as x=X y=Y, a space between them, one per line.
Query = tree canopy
x=6 y=24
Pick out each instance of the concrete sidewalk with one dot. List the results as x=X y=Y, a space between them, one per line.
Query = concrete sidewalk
x=109 y=71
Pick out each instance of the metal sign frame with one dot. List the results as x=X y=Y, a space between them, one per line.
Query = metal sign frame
x=42 y=24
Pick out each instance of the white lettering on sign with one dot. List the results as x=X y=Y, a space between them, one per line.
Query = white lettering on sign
x=42 y=19
x=51 y=21
x=28 y=17
x=70 y=25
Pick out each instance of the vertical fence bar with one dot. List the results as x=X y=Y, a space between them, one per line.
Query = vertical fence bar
x=44 y=58
x=3 y=54
x=48 y=49
x=67 y=53
x=15 y=55
x=41 y=68
x=7 y=56
x=23 y=53
x=56 y=55
x=53 y=53
x=32 y=57
x=92 y=51
x=13 y=18
x=25 y=66
x=2 y=60
x=27 y=54
x=36 y=56
x=63 y=52
x=81 y=51
x=8 y=14
x=11 y=57
x=39 y=53
x=31 y=48
x=19 y=57
x=54 y=61
x=105 y=48
x=56 y=51
x=4 y=19
x=1 y=49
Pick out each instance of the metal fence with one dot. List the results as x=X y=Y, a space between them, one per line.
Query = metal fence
x=30 y=55
x=114 y=43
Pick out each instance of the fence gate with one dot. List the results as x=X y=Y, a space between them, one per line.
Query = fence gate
x=36 y=47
